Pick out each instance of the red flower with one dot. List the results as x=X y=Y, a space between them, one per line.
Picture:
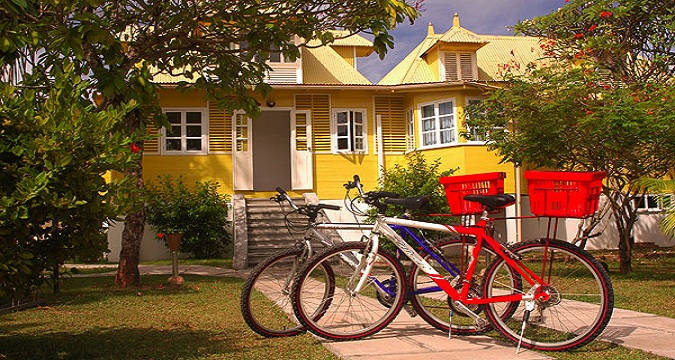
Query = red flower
x=135 y=148
x=578 y=35
x=579 y=55
x=593 y=27
x=160 y=236
x=605 y=14
x=588 y=112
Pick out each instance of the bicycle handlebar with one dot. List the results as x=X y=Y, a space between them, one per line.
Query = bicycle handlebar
x=311 y=210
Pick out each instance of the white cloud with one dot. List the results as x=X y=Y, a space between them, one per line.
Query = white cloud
x=480 y=16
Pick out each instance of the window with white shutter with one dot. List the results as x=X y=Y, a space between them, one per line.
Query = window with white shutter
x=460 y=66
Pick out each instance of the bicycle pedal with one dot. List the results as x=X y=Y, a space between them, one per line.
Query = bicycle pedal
x=410 y=310
x=481 y=323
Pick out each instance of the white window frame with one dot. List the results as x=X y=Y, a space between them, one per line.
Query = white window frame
x=643 y=206
x=437 y=123
x=410 y=129
x=351 y=137
x=204 y=132
x=468 y=128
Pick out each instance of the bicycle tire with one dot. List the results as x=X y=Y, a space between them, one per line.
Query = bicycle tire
x=360 y=315
x=435 y=307
x=581 y=297
x=265 y=296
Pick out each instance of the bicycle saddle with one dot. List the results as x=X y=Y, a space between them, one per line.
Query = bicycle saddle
x=492 y=202
x=410 y=203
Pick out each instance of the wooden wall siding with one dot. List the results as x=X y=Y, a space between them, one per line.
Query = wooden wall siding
x=220 y=130
x=319 y=105
x=151 y=145
x=392 y=111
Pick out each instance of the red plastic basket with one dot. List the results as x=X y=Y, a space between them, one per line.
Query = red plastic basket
x=456 y=187
x=564 y=193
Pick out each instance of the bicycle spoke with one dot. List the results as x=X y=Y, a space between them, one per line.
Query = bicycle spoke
x=578 y=302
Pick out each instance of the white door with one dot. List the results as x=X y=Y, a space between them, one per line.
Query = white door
x=242 y=156
x=302 y=169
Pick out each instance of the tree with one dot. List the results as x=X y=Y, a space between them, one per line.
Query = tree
x=603 y=99
x=220 y=45
x=54 y=153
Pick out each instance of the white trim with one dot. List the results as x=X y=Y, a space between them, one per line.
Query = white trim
x=467 y=100
x=334 y=135
x=204 y=125
x=437 y=124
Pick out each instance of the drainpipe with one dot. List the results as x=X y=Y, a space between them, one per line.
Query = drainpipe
x=380 y=149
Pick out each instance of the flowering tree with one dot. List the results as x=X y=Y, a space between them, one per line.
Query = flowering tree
x=221 y=45
x=603 y=99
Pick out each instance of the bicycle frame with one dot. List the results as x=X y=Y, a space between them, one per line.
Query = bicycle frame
x=390 y=228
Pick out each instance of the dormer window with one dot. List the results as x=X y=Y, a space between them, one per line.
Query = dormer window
x=277 y=57
x=459 y=66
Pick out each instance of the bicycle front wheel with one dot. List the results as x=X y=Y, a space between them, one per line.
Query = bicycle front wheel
x=265 y=296
x=579 y=297
x=348 y=315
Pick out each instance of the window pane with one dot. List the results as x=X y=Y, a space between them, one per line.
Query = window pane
x=429 y=138
x=358 y=144
x=446 y=137
x=343 y=144
x=175 y=131
x=173 y=117
x=342 y=131
x=194 y=131
x=194 y=144
x=447 y=122
x=342 y=118
x=445 y=108
x=173 y=144
x=275 y=57
x=428 y=125
x=428 y=111
x=193 y=117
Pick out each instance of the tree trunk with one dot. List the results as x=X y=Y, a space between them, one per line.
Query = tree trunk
x=625 y=253
x=127 y=270
x=624 y=220
x=134 y=223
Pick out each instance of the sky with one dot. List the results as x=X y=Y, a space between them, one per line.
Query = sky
x=483 y=17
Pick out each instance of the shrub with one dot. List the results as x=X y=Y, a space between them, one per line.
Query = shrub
x=199 y=213
x=418 y=177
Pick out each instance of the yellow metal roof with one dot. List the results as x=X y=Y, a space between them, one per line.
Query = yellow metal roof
x=344 y=39
x=323 y=65
x=497 y=54
x=320 y=65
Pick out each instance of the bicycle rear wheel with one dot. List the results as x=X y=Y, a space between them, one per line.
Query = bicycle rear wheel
x=435 y=306
x=579 y=301
x=348 y=315
x=265 y=296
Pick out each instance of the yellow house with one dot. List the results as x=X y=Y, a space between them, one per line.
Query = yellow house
x=325 y=122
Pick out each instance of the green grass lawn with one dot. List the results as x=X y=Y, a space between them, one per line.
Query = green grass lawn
x=93 y=319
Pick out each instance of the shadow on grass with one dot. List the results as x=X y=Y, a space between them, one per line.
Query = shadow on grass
x=80 y=291
x=117 y=343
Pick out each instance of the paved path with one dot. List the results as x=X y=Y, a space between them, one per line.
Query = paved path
x=411 y=338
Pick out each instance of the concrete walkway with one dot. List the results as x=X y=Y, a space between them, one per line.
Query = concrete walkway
x=412 y=338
